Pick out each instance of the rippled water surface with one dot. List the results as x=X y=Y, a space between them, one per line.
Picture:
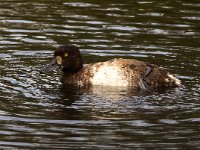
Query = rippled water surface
x=37 y=111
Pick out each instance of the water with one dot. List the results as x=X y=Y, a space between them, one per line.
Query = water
x=37 y=111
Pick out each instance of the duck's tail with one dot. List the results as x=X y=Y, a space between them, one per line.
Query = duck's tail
x=172 y=80
x=157 y=77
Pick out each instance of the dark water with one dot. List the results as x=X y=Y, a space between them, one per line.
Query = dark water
x=37 y=111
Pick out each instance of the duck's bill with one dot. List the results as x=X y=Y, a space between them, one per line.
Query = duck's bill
x=50 y=67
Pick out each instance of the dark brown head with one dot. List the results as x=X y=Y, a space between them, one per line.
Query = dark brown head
x=67 y=57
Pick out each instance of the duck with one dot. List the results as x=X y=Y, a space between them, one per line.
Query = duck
x=117 y=72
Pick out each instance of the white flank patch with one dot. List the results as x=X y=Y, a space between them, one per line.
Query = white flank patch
x=106 y=75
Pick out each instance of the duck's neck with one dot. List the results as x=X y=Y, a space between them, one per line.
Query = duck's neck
x=72 y=77
x=74 y=66
x=72 y=70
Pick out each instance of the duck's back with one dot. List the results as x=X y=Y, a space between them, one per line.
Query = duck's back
x=121 y=72
x=117 y=72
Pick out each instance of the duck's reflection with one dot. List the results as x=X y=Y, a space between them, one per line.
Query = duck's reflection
x=103 y=102
x=97 y=97
x=100 y=92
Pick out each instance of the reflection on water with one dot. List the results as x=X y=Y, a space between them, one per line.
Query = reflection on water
x=37 y=111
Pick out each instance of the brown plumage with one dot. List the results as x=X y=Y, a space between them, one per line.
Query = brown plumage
x=115 y=72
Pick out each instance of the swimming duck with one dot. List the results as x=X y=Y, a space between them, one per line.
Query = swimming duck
x=115 y=72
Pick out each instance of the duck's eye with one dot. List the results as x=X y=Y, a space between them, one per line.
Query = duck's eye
x=59 y=60
x=66 y=54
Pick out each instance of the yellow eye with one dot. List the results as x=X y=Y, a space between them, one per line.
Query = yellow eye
x=65 y=54
x=59 y=60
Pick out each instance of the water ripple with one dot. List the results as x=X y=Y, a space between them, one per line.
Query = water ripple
x=37 y=111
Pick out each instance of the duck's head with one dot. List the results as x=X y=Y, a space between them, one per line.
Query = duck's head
x=67 y=57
